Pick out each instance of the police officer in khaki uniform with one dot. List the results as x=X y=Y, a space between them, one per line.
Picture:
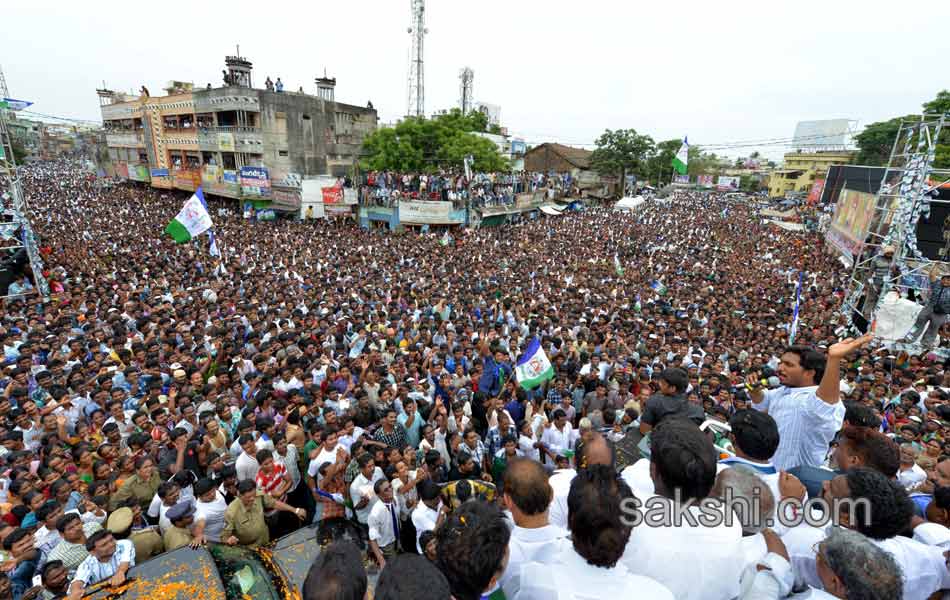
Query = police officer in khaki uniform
x=244 y=522
x=182 y=515
x=141 y=486
x=147 y=541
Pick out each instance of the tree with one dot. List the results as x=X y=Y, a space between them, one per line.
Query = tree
x=419 y=145
x=620 y=152
x=875 y=142
x=660 y=162
x=702 y=163
x=19 y=152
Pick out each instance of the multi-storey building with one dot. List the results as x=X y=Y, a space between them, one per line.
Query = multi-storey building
x=235 y=141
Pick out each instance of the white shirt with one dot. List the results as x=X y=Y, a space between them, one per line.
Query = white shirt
x=325 y=456
x=638 y=478
x=538 y=545
x=923 y=567
x=558 y=440
x=694 y=562
x=90 y=571
x=380 y=522
x=912 y=477
x=806 y=425
x=363 y=488
x=560 y=482
x=290 y=463
x=246 y=467
x=572 y=578
x=424 y=519
x=213 y=515
x=402 y=500
x=526 y=446
x=933 y=534
x=769 y=475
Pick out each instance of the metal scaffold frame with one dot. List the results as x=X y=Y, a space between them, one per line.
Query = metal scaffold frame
x=15 y=212
x=905 y=195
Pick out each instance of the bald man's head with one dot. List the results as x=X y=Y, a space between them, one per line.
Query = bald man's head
x=596 y=451
x=527 y=487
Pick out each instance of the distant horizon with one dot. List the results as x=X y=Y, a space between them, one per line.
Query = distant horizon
x=559 y=72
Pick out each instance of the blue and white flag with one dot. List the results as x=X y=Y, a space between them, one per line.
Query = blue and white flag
x=793 y=330
x=533 y=367
x=214 y=244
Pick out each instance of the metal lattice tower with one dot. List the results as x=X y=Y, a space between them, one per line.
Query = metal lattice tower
x=415 y=106
x=4 y=92
x=905 y=194
x=14 y=218
x=466 y=90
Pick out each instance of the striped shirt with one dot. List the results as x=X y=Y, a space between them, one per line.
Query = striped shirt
x=269 y=482
x=91 y=571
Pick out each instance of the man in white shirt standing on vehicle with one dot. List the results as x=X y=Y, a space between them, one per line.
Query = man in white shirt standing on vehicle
x=807 y=408
x=383 y=523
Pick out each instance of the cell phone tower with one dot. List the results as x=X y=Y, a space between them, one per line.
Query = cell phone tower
x=417 y=29
x=466 y=90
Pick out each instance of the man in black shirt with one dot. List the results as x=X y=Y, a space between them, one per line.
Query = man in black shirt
x=670 y=401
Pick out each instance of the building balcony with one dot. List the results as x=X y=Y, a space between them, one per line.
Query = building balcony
x=125 y=139
x=230 y=138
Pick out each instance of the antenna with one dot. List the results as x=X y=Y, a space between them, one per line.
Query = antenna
x=4 y=92
x=415 y=105
x=466 y=89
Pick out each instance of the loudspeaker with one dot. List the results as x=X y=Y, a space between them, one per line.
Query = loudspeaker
x=931 y=231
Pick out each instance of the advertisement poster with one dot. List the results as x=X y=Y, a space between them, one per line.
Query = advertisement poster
x=681 y=179
x=705 y=181
x=814 y=195
x=424 y=212
x=255 y=181
x=849 y=225
x=727 y=184
x=226 y=142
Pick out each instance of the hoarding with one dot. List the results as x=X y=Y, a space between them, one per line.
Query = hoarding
x=226 y=142
x=818 y=134
x=814 y=195
x=849 y=225
x=705 y=181
x=727 y=184
x=255 y=181
x=435 y=213
x=681 y=179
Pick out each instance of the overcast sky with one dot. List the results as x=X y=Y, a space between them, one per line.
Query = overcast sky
x=560 y=70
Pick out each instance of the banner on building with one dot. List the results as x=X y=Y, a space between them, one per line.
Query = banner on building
x=814 y=195
x=187 y=179
x=332 y=195
x=727 y=184
x=286 y=199
x=518 y=147
x=158 y=172
x=122 y=170
x=418 y=213
x=681 y=179
x=229 y=176
x=139 y=173
x=849 y=225
x=226 y=142
x=349 y=196
x=705 y=181
x=255 y=181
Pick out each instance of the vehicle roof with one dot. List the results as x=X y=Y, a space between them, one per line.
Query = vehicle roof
x=294 y=553
x=182 y=574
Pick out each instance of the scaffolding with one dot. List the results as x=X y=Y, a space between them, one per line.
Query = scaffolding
x=908 y=188
x=16 y=233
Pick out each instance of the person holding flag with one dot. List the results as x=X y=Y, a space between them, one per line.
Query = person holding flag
x=533 y=367
x=681 y=160
x=193 y=220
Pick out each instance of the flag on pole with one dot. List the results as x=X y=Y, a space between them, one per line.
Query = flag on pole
x=192 y=220
x=214 y=244
x=617 y=266
x=682 y=158
x=14 y=104
x=793 y=330
x=533 y=367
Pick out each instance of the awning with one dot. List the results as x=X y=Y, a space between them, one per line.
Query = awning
x=493 y=220
x=552 y=210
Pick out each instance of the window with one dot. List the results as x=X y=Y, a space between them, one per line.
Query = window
x=282 y=153
x=227 y=158
x=306 y=117
x=170 y=123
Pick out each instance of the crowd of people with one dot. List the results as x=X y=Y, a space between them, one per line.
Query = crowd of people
x=366 y=381
x=479 y=190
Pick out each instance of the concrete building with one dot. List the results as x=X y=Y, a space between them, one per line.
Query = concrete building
x=235 y=141
x=511 y=148
x=801 y=169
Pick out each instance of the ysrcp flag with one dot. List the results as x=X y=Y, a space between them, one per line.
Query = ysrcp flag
x=533 y=367
x=192 y=220
x=681 y=160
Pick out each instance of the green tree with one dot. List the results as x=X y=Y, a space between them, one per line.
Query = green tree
x=875 y=142
x=424 y=145
x=620 y=152
x=660 y=162
x=19 y=152
x=702 y=163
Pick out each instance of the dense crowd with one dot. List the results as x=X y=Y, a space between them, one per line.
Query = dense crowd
x=320 y=373
x=475 y=190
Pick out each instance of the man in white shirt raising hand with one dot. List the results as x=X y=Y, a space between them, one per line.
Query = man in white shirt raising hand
x=808 y=407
